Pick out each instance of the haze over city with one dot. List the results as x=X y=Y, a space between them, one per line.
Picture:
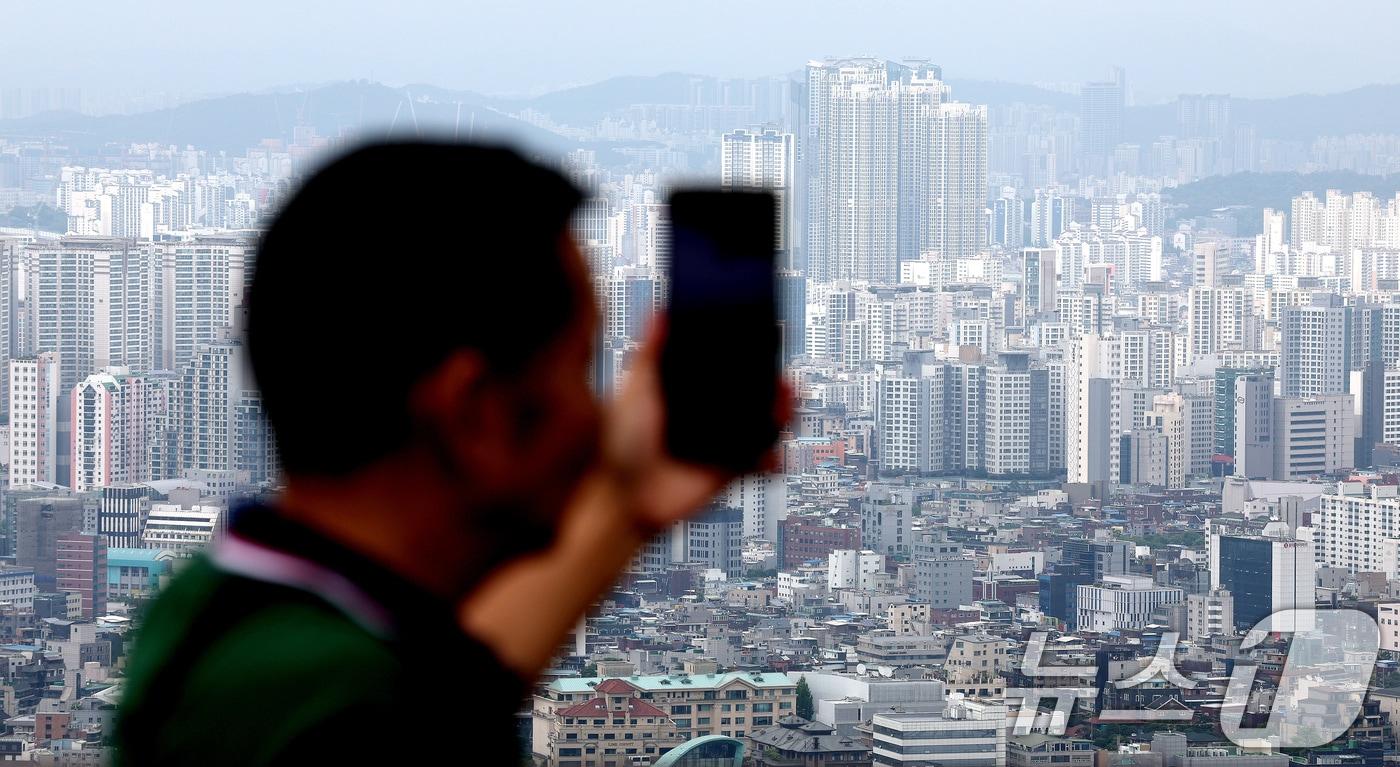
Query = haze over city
x=1249 y=49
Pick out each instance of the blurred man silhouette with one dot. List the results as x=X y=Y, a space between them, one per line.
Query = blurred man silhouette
x=420 y=326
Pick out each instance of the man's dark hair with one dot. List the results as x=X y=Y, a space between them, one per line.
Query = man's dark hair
x=386 y=261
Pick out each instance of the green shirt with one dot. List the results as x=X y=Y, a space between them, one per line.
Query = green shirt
x=235 y=670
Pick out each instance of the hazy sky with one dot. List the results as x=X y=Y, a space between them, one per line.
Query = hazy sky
x=1248 y=48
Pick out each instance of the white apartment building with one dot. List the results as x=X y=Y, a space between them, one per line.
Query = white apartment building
x=1051 y=214
x=1357 y=527
x=11 y=251
x=1007 y=423
x=203 y=281
x=1210 y=614
x=763 y=497
x=1341 y=222
x=793 y=587
x=17 y=587
x=1093 y=375
x=1220 y=319
x=956 y=225
x=93 y=300
x=1390 y=428
x=211 y=385
x=120 y=428
x=1122 y=602
x=1136 y=258
x=1148 y=358
x=1084 y=311
x=852 y=569
x=1315 y=349
x=34 y=392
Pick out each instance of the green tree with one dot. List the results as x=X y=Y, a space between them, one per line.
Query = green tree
x=804 y=699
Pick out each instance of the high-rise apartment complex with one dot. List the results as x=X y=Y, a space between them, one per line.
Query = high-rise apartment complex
x=894 y=169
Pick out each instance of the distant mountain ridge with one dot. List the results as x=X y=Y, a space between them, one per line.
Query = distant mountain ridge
x=235 y=122
x=1369 y=109
x=1272 y=190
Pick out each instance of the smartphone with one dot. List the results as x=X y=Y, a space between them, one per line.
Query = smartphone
x=720 y=359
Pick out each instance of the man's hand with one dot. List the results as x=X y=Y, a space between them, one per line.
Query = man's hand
x=524 y=610
x=657 y=488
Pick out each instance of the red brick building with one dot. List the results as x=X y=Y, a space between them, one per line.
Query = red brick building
x=806 y=538
x=82 y=568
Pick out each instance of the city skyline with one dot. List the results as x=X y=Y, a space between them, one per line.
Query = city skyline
x=1076 y=376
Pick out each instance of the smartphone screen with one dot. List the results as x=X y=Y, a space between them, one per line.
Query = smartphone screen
x=719 y=366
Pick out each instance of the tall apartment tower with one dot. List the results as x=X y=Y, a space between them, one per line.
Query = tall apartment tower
x=120 y=423
x=93 y=300
x=764 y=159
x=1037 y=282
x=34 y=397
x=1315 y=348
x=1306 y=214
x=1271 y=245
x=11 y=251
x=1101 y=119
x=957 y=196
x=1219 y=319
x=202 y=283
x=1051 y=214
x=1009 y=219
x=1093 y=419
x=206 y=407
x=1203 y=115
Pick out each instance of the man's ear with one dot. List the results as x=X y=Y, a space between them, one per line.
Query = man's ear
x=457 y=402
x=445 y=394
